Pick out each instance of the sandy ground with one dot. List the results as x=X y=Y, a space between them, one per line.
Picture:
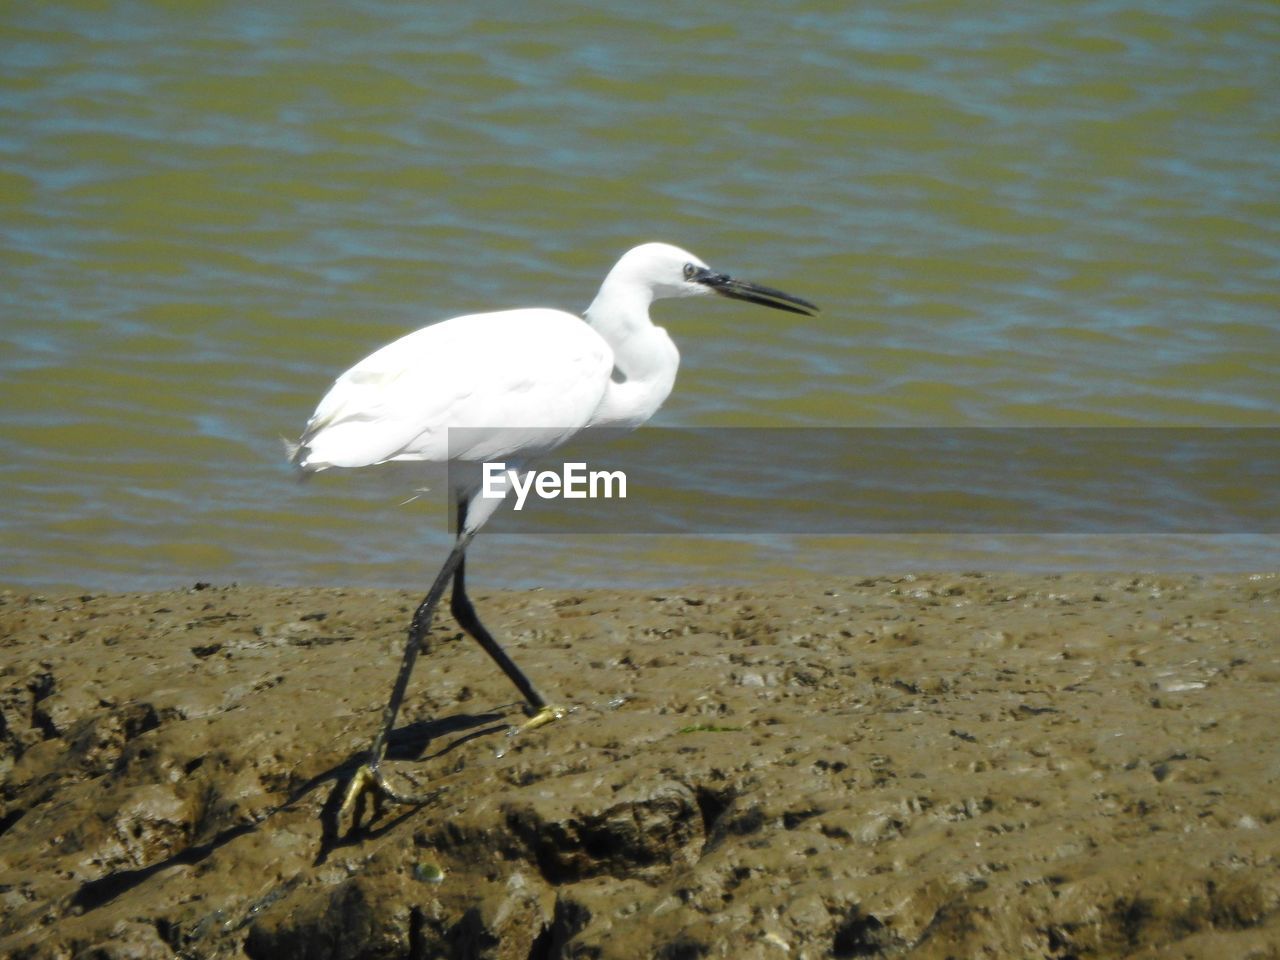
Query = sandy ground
x=943 y=766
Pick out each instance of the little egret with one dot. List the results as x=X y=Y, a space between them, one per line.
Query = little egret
x=523 y=382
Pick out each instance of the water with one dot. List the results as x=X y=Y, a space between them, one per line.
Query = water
x=1034 y=215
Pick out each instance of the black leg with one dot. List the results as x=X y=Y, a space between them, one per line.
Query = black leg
x=467 y=618
x=369 y=777
x=419 y=627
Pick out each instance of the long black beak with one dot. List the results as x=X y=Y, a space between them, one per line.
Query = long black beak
x=726 y=286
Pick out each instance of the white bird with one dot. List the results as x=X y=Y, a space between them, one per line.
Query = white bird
x=524 y=382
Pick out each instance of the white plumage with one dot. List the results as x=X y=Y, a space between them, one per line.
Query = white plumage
x=540 y=369
x=521 y=381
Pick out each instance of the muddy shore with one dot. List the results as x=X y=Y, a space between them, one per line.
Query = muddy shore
x=941 y=766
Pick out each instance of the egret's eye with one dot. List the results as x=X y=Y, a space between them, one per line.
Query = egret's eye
x=689 y=271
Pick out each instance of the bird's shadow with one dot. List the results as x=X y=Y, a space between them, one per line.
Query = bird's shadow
x=407 y=743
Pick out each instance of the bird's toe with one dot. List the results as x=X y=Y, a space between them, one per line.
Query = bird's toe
x=544 y=716
x=363 y=781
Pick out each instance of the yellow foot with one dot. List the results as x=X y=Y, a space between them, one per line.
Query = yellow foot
x=542 y=718
x=366 y=780
x=362 y=781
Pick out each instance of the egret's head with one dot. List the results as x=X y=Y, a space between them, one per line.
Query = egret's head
x=669 y=271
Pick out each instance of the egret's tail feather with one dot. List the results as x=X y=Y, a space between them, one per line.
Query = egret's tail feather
x=297 y=454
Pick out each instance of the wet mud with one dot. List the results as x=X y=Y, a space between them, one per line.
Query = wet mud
x=934 y=766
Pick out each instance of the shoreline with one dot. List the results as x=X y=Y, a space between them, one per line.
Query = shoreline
x=1076 y=764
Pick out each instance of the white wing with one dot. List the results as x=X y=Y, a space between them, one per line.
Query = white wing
x=522 y=380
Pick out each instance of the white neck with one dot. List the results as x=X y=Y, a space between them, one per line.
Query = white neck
x=644 y=358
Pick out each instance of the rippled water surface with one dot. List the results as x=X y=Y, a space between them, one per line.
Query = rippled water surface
x=1032 y=214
